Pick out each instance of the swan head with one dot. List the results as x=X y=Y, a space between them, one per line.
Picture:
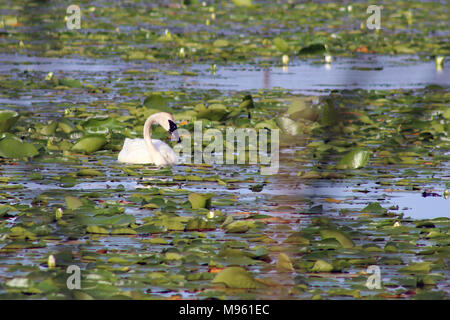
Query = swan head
x=173 y=130
x=167 y=121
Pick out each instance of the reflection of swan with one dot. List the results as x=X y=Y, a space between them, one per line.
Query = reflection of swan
x=150 y=150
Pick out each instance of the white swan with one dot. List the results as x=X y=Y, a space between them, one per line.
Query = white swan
x=148 y=150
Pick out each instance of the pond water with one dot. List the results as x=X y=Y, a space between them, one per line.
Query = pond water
x=286 y=204
x=312 y=76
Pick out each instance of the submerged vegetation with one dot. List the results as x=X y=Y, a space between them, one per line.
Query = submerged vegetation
x=363 y=177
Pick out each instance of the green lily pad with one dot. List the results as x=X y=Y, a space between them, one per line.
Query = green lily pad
x=284 y=264
x=100 y=123
x=13 y=148
x=374 y=207
x=96 y=229
x=200 y=200
x=419 y=267
x=299 y=110
x=242 y=3
x=322 y=266
x=156 y=101
x=70 y=82
x=49 y=129
x=236 y=278
x=355 y=159
x=342 y=238
x=73 y=202
x=289 y=126
x=239 y=226
x=90 y=143
x=7 y=119
x=89 y=173
x=313 y=49
x=281 y=44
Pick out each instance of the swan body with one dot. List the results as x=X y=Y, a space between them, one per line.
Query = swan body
x=151 y=151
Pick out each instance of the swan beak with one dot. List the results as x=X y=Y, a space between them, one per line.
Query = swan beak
x=175 y=137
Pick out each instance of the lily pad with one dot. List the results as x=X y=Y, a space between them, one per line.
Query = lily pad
x=355 y=159
x=13 y=148
x=342 y=238
x=90 y=143
x=313 y=49
x=7 y=119
x=236 y=278
x=200 y=200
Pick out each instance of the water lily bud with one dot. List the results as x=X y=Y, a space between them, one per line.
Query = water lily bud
x=349 y=8
x=181 y=53
x=213 y=67
x=409 y=17
x=397 y=224
x=328 y=58
x=210 y=215
x=49 y=76
x=51 y=262
x=446 y=194
x=439 y=62
x=58 y=213
x=285 y=59
x=207 y=22
x=167 y=34
x=213 y=16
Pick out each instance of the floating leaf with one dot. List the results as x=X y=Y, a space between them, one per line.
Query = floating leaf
x=219 y=43
x=200 y=200
x=89 y=173
x=355 y=159
x=322 y=266
x=96 y=229
x=236 y=278
x=7 y=119
x=70 y=82
x=281 y=44
x=73 y=202
x=98 y=123
x=242 y=3
x=13 y=148
x=90 y=143
x=215 y=112
x=289 y=126
x=156 y=101
x=419 y=267
x=313 y=49
x=239 y=226
x=298 y=110
x=343 y=239
x=284 y=264
x=49 y=129
x=374 y=207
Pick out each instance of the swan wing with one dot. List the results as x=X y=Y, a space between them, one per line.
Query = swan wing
x=134 y=151
x=166 y=151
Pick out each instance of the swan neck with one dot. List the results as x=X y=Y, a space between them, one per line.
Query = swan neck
x=147 y=133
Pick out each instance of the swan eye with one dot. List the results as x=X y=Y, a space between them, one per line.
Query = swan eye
x=172 y=126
